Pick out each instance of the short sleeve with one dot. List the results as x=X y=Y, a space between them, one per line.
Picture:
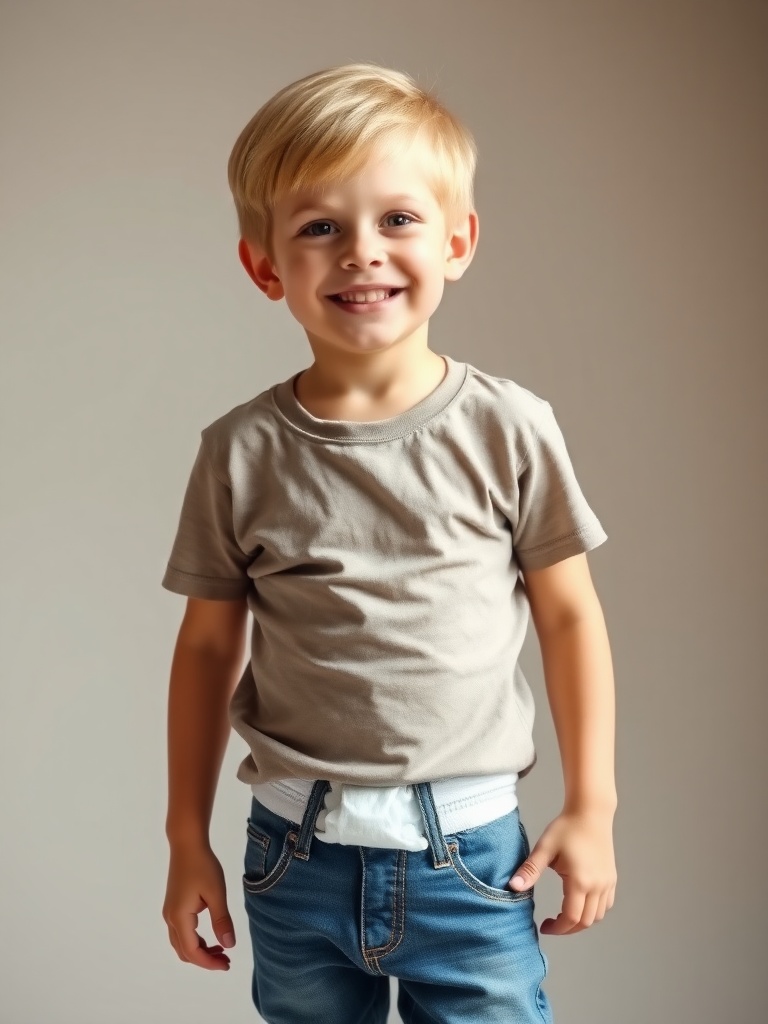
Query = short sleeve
x=554 y=520
x=206 y=560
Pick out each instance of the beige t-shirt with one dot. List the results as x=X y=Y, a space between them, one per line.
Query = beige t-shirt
x=381 y=562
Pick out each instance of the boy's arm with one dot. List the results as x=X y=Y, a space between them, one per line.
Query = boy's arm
x=579 y=679
x=205 y=668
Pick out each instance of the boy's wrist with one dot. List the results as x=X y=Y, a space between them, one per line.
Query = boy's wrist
x=604 y=805
x=187 y=834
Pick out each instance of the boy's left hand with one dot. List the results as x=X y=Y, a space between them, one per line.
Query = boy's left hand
x=579 y=847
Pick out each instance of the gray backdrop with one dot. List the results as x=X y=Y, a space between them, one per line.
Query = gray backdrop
x=621 y=274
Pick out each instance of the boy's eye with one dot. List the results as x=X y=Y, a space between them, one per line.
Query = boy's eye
x=318 y=229
x=401 y=220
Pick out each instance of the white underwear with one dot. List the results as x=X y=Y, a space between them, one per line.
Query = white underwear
x=390 y=817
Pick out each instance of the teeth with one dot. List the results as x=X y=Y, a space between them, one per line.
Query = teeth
x=376 y=296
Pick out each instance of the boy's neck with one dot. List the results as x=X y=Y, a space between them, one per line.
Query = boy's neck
x=374 y=390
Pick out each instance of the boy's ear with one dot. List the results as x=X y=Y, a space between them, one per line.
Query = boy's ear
x=461 y=245
x=260 y=269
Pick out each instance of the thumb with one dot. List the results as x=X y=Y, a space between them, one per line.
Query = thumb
x=222 y=925
x=531 y=870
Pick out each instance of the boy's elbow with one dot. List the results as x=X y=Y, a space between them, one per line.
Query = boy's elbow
x=561 y=595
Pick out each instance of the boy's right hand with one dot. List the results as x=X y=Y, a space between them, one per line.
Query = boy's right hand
x=196 y=882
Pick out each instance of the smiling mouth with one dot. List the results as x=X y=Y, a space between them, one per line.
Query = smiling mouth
x=362 y=297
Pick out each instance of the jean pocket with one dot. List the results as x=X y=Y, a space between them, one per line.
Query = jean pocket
x=486 y=857
x=270 y=845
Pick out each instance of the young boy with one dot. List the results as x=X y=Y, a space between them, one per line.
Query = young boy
x=389 y=516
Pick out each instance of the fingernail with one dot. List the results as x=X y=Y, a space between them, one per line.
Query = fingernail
x=518 y=880
x=228 y=940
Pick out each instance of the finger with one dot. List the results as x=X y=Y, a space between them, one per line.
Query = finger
x=212 y=958
x=602 y=907
x=221 y=922
x=195 y=948
x=569 y=916
x=217 y=953
x=591 y=906
x=531 y=870
x=175 y=943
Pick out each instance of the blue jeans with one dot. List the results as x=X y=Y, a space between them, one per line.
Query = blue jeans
x=330 y=924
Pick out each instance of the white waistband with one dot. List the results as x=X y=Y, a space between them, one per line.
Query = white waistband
x=461 y=803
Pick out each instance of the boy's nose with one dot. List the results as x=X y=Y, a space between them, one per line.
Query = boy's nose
x=362 y=251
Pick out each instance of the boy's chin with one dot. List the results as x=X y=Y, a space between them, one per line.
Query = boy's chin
x=361 y=344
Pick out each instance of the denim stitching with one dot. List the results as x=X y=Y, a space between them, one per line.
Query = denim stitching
x=437 y=863
x=257 y=837
x=277 y=872
x=475 y=884
x=371 y=964
x=524 y=835
x=538 y=989
x=372 y=955
x=398 y=911
x=311 y=814
x=260 y=840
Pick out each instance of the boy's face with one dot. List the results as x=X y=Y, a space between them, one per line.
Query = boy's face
x=362 y=265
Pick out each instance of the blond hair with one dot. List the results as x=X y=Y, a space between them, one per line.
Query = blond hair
x=324 y=127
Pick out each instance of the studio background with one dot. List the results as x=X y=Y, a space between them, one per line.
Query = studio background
x=621 y=274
